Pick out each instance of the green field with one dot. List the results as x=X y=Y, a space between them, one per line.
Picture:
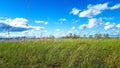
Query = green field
x=62 y=53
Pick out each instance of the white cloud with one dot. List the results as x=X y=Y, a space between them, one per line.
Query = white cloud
x=46 y=23
x=117 y=6
x=36 y=27
x=107 y=18
x=93 y=10
x=41 y=22
x=57 y=30
x=20 y=27
x=45 y=31
x=109 y=25
x=83 y=26
x=19 y=22
x=15 y=34
x=76 y=21
x=93 y=22
x=75 y=11
x=6 y=21
x=61 y=20
x=64 y=33
x=118 y=26
x=73 y=28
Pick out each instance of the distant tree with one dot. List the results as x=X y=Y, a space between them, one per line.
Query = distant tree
x=70 y=35
x=73 y=36
x=76 y=36
x=90 y=36
x=98 y=36
x=106 y=36
x=84 y=36
x=51 y=37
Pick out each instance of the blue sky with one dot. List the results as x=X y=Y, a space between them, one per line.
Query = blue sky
x=58 y=17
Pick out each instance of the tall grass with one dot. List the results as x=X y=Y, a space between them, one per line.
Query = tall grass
x=64 y=53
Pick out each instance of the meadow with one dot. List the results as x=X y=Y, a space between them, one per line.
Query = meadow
x=60 y=53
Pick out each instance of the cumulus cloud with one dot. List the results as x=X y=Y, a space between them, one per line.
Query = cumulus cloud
x=93 y=22
x=6 y=21
x=109 y=25
x=83 y=26
x=41 y=22
x=75 y=11
x=19 y=22
x=93 y=10
x=118 y=26
x=16 y=25
x=117 y=6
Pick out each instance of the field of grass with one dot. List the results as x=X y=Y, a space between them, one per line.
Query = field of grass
x=63 y=53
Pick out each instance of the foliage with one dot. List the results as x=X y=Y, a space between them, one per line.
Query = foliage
x=106 y=36
x=90 y=36
x=72 y=36
x=98 y=36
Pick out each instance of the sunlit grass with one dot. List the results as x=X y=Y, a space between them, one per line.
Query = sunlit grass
x=63 y=53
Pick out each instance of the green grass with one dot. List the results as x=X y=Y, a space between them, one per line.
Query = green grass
x=64 y=53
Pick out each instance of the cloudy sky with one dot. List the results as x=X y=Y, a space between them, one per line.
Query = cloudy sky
x=58 y=17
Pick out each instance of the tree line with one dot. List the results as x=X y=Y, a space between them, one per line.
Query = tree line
x=95 y=36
